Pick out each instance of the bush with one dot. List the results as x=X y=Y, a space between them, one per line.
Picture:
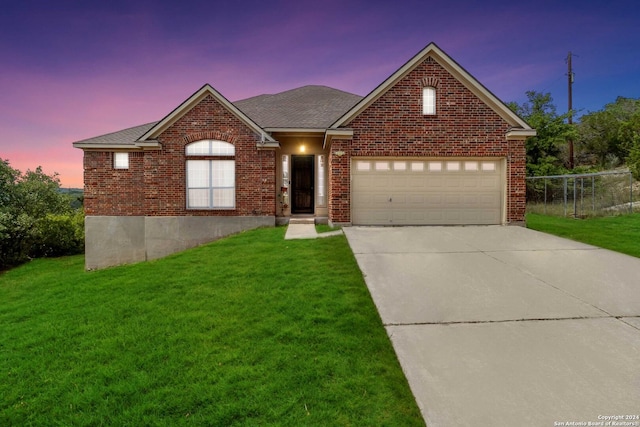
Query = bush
x=633 y=159
x=36 y=220
x=57 y=235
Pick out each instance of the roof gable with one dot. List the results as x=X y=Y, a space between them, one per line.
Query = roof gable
x=433 y=51
x=192 y=101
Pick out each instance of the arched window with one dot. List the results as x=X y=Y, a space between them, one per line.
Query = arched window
x=211 y=182
x=429 y=101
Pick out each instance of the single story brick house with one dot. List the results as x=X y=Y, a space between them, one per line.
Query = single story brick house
x=429 y=145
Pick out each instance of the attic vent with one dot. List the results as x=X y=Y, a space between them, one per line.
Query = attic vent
x=430 y=82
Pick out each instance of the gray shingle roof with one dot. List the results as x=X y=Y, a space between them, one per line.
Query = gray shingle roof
x=309 y=107
x=304 y=107
x=125 y=136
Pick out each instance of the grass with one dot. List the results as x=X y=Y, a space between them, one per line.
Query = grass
x=249 y=330
x=324 y=228
x=618 y=233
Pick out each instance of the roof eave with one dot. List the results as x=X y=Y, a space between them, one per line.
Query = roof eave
x=331 y=134
x=520 y=134
x=137 y=146
x=294 y=130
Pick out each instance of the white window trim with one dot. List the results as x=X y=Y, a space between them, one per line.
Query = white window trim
x=206 y=148
x=121 y=160
x=429 y=101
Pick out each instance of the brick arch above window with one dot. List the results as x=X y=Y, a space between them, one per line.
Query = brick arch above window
x=430 y=81
x=211 y=134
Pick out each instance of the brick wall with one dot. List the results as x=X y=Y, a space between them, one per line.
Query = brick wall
x=155 y=183
x=463 y=127
x=340 y=182
x=109 y=191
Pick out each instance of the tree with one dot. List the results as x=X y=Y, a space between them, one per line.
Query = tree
x=8 y=179
x=545 y=150
x=607 y=135
x=35 y=218
x=633 y=158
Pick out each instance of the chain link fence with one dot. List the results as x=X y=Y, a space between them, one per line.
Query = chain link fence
x=584 y=195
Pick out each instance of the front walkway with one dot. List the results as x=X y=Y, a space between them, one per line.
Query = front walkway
x=503 y=326
x=306 y=230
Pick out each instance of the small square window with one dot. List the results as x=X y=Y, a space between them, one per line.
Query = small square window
x=435 y=166
x=121 y=160
x=471 y=166
x=363 y=166
x=417 y=166
x=488 y=166
x=382 y=166
x=453 y=166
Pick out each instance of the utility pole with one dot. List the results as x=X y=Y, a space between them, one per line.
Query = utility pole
x=570 y=80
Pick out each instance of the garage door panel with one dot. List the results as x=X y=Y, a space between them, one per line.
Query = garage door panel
x=401 y=192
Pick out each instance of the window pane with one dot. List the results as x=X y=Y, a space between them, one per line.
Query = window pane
x=417 y=166
x=321 y=187
x=488 y=166
x=435 y=166
x=197 y=173
x=200 y=147
x=223 y=173
x=198 y=198
x=399 y=166
x=471 y=166
x=285 y=170
x=428 y=100
x=363 y=166
x=210 y=147
x=382 y=166
x=221 y=148
x=223 y=197
x=211 y=184
x=121 y=160
x=453 y=166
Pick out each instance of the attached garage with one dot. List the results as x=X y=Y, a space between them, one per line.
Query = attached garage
x=434 y=191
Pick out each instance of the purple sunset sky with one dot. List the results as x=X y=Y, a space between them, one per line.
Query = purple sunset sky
x=71 y=70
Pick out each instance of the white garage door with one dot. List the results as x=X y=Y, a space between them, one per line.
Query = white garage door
x=394 y=191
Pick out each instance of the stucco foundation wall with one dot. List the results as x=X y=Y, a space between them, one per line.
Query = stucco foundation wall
x=113 y=240
x=166 y=235
x=116 y=240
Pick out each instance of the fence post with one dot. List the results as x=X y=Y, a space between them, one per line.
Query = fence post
x=593 y=195
x=545 y=196
x=575 y=208
x=582 y=195
x=564 y=187
x=630 y=193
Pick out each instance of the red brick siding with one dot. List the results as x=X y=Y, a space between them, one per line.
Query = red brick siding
x=340 y=181
x=109 y=191
x=157 y=184
x=464 y=126
x=517 y=187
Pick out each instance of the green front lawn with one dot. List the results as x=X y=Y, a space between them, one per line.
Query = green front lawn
x=250 y=330
x=618 y=233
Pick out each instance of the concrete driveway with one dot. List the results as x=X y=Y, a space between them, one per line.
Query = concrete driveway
x=504 y=326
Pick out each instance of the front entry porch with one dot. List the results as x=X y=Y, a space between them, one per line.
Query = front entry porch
x=301 y=177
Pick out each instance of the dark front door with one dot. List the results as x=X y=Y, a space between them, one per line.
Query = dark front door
x=302 y=184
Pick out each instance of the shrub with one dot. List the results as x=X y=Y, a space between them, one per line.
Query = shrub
x=36 y=220
x=56 y=235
